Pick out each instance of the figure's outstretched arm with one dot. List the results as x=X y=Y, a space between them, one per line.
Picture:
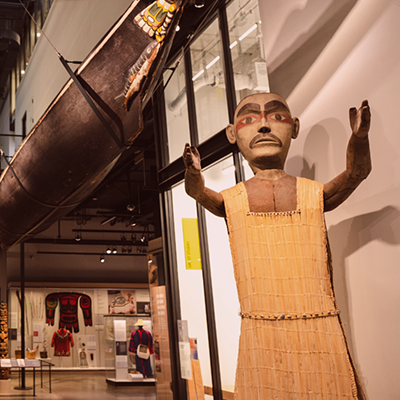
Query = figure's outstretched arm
x=194 y=183
x=358 y=163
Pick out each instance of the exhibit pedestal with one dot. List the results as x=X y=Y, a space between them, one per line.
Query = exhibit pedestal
x=132 y=382
x=5 y=386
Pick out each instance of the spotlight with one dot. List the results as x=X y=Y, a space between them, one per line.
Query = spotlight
x=78 y=237
x=102 y=259
x=178 y=28
x=114 y=250
x=143 y=238
x=108 y=251
x=129 y=249
x=199 y=4
x=130 y=207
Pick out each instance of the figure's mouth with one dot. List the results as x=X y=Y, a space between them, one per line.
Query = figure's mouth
x=265 y=138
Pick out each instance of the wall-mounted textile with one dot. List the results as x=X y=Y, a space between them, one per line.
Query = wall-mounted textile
x=61 y=341
x=68 y=309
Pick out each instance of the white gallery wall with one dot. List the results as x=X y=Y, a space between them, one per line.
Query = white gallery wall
x=360 y=61
x=73 y=27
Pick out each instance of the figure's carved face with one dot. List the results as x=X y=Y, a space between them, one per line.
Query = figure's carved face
x=263 y=129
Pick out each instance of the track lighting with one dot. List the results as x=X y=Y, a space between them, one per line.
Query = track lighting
x=143 y=238
x=108 y=251
x=102 y=259
x=106 y=221
x=78 y=237
x=114 y=250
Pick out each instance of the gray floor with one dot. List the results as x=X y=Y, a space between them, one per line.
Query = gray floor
x=88 y=385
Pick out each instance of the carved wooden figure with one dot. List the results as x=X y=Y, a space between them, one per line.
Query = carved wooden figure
x=292 y=343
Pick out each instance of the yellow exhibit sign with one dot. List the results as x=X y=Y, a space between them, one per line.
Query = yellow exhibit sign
x=192 y=243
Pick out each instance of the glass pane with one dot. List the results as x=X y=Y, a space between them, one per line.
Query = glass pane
x=208 y=82
x=176 y=110
x=190 y=281
x=247 y=49
x=219 y=177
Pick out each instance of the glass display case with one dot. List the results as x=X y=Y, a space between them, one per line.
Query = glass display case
x=121 y=368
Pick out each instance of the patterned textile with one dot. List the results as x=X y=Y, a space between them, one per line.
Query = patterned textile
x=292 y=344
x=61 y=341
x=68 y=309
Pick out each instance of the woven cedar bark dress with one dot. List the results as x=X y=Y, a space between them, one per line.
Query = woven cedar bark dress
x=292 y=344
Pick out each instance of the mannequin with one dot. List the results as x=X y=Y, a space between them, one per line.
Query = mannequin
x=141 y=336
x=61 y=341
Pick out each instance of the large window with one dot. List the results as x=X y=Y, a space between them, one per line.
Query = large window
x=247 y=49
x=176 y=110
x=209 y=83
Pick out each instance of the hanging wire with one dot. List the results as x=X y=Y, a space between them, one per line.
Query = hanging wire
x=26 y=192
x=41 y=30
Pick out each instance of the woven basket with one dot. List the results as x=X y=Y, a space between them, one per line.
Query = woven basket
x=31 y=354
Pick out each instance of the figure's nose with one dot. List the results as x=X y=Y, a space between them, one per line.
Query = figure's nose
x=264 y=124
x=265 y=129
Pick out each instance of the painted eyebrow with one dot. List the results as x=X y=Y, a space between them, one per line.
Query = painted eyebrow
x=253 y=106
x=274 y=104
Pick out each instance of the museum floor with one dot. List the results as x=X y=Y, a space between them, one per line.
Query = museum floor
x=78 y=386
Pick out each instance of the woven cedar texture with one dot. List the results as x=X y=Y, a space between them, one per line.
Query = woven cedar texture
x=281 y=267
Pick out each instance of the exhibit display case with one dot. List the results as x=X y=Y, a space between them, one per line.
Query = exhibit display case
x=68 y=327
x=121 y=363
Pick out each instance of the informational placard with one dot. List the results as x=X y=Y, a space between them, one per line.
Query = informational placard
x=191 y=243
x=5 y=363
x=121 y=361
x=37 y=333
x=99 y=322
x=31 y=363
x=142 y=301
x=91 y=342
x=120 y=330
x=20 y=362
x=101 y=302
x=184 y=349
x=13 y=320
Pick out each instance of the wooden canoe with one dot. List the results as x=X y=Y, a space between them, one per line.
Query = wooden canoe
x=70 y=150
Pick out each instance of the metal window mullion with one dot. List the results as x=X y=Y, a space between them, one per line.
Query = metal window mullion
x=228 y=67
x=194 y=135
x=160 y=131
x=229 y=84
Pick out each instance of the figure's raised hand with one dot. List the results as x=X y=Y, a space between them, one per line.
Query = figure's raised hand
x=360 y=120
x=191 y=158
